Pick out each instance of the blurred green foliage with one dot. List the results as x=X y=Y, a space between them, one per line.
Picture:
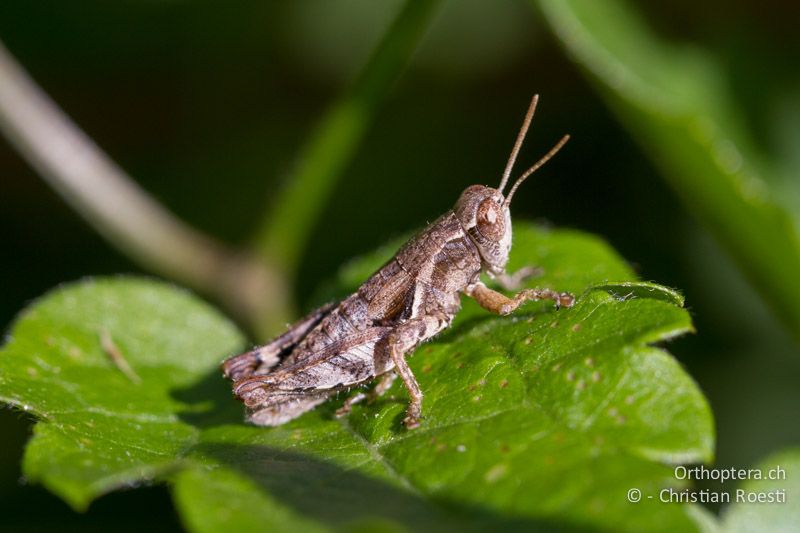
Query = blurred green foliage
x=284 y=234
x=675 y=101
x=758 y=516
x=207 y=108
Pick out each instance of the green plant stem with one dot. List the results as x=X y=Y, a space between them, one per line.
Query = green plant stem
x=286 y=228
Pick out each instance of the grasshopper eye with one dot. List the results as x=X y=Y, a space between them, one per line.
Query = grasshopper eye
x=490 y=220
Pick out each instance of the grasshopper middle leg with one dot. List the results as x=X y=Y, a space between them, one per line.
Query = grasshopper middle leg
x=403 y=340
x=383 y=385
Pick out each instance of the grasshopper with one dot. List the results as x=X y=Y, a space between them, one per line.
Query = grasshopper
x=414 y=296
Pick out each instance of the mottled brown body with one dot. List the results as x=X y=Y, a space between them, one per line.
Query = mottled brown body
x=414 y=296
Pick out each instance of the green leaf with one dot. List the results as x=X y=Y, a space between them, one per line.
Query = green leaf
x=99 y=428
x=753 y=515
x=537 y=420
x=676 y=102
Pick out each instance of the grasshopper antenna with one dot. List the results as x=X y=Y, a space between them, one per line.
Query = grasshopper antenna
x=518 y=144
x=553 y=151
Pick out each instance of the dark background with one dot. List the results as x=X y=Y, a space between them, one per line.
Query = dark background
x=207 y=104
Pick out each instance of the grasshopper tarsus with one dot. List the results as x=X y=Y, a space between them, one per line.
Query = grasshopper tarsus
x=565 y=299
x=410 y=299
x=412 y=422
x=345 y=409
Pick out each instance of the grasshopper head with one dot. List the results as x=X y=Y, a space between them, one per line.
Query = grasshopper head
x=487 y=220
x=484 y=212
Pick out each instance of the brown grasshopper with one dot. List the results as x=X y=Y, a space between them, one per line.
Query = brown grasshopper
x=410 y=299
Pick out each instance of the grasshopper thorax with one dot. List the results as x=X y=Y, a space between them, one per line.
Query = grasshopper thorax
x=486 y=218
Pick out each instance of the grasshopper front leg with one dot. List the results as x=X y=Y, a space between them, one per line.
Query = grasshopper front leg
x=404 y=339
x=514 y=281
x=503 y=305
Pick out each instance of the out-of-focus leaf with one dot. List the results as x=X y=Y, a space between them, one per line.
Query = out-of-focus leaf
x=771 y=513
x=675 y=101
x=537 y=420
